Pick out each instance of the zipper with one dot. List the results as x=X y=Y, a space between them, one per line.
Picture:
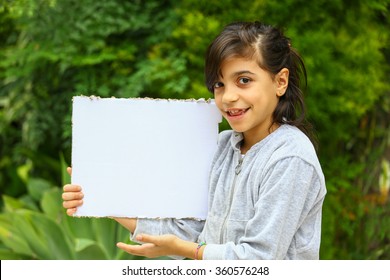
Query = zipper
x=237 y=171
x=239 y=166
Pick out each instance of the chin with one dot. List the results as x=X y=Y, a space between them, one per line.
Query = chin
x=238 y=128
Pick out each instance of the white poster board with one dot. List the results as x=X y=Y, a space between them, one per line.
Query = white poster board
x=143 y=157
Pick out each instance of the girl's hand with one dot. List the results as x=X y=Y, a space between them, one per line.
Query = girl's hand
x=162 y=245
x=72 y=197
x=154 y=245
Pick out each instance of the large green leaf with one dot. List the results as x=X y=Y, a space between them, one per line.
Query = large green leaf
x=78 y=227
x=51 y=204
x=12 y=238
x=91 y=251
x=54 y=237
x=82 y=243
x=37 y=186
x=6 y=254
x=29 y=202
x=34 y=234
x=25 y=227
x=11 y=204
x=65 y=177
x=105 y=234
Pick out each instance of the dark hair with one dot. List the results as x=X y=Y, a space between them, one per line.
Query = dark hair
x=273 y=52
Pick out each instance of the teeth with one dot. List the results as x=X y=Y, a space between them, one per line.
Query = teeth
x=235 y=112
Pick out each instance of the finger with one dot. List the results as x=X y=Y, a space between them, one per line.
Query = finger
x=147 y=238
x=126 y=247
x=72 y=196
x=69 y=170
x=72 y=188
x=139 y=250
x=71 y=211
x=72 y=204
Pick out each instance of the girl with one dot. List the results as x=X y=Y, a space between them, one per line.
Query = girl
x=266 y=184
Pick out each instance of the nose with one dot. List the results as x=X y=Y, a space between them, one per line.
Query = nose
x=230 y=95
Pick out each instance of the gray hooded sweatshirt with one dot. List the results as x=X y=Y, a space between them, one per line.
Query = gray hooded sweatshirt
x=266 y=204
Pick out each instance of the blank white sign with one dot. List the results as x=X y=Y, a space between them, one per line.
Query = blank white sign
x=146 y=158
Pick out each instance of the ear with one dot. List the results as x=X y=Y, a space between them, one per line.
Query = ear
x=281 y=81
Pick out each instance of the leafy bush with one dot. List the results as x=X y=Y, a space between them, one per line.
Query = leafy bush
x=36 y=226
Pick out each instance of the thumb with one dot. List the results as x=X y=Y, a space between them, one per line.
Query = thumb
x=146 y=238
x=69 y=170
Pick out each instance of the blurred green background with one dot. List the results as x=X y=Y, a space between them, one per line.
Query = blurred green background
x=51 y=50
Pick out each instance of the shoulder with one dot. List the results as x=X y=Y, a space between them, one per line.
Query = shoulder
x=289 y=144
x=290 y=141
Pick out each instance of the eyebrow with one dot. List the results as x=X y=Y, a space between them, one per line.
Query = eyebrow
x=239 y=73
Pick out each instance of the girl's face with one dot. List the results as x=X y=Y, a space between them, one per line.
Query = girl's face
x=247 y=96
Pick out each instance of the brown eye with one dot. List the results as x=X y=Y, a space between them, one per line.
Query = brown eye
x=244 y=81
x=218 y=85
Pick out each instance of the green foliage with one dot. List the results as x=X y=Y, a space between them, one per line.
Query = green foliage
x=61 y=49
x=49 y=234
x=36 y=226
x=51 y=50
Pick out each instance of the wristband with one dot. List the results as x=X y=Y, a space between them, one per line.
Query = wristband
x=197 y=249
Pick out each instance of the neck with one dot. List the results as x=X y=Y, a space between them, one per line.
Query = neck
x=251 y=139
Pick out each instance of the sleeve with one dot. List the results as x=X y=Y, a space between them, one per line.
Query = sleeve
x=289 y=203
x=187 y=229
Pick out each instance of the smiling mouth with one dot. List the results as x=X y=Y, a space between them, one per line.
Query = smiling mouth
x=236 y=112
